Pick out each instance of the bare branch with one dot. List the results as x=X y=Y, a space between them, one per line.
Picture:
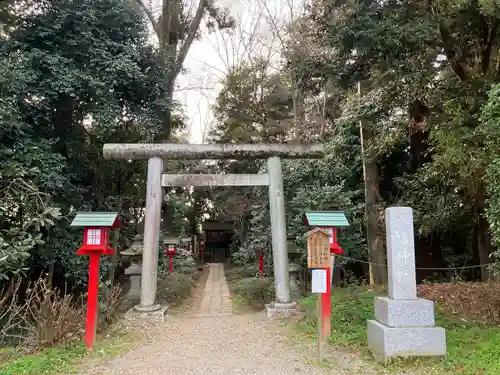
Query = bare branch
x=193 y=29
x=150 y=16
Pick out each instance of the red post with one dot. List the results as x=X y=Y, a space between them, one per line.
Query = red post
x=95 y=244
x=327 y=297
x=261 y=264
x=170 y=263
x=170 y=252
x=92 y=300
x=326 y=305
x=201 y=249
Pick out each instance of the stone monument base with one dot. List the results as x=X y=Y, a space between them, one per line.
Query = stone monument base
x=281 y=310
x=404 y=312
x=387 y=343
x=156 y=316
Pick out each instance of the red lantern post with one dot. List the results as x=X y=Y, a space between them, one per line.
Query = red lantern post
x=261 y=264
x=95 y=244
x=329 y=221
x=326 y=305
x=202 y=249
x=335 y=249
x=171 y=251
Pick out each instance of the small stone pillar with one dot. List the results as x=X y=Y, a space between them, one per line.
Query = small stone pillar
x=405 y=324
x=134 y=271
x=294 y=270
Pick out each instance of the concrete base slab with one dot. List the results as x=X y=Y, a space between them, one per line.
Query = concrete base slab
x=387 y=343
x=149 y=308
x=281 y=310
x=212 y=315
x=153 y=316
x=404 y=313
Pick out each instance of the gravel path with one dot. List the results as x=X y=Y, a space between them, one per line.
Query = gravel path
x=212 y=340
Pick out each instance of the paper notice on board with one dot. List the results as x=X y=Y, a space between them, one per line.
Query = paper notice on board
x=319 y=281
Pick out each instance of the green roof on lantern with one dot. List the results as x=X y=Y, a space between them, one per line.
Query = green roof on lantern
x=96 y=219
x=326 y=219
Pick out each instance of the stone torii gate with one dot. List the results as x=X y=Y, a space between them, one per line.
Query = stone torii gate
x=155 y=153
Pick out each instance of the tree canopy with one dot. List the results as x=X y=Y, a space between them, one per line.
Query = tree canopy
x=74 y=75
x=404 y=96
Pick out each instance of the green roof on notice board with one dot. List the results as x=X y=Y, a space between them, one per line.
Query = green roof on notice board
x=326 y=219
x=96 y=219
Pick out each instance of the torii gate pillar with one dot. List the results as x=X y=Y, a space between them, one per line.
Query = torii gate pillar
x=278 y=231
x=152 y=221
x=155 y=153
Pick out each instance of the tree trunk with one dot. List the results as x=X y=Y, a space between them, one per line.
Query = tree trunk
x=167 y=119
x=114 y=258
x=167 y=214
x=50 y=273
x=483 y=246
x=167 y=219
x=51 y=258
x=374 y=238
x=375 y=241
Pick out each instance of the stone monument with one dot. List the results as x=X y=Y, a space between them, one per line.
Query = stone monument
x=405 y=324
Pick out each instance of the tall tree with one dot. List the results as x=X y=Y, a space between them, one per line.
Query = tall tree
x=75 y=76
x=176 y=28
x=431 y=61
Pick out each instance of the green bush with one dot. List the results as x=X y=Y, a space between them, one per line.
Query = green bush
x=175 y=287
x=190 y=271
x=241 y=272
x=254 y=290
x=184 y=259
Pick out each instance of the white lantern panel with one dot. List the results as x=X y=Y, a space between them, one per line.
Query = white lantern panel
x=94 y=237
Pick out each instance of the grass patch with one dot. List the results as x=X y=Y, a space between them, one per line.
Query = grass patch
x=49 y=361
x=63 y=359
x=472 y=347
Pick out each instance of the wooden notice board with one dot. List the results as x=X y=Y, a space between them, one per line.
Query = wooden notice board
x=318 y=249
